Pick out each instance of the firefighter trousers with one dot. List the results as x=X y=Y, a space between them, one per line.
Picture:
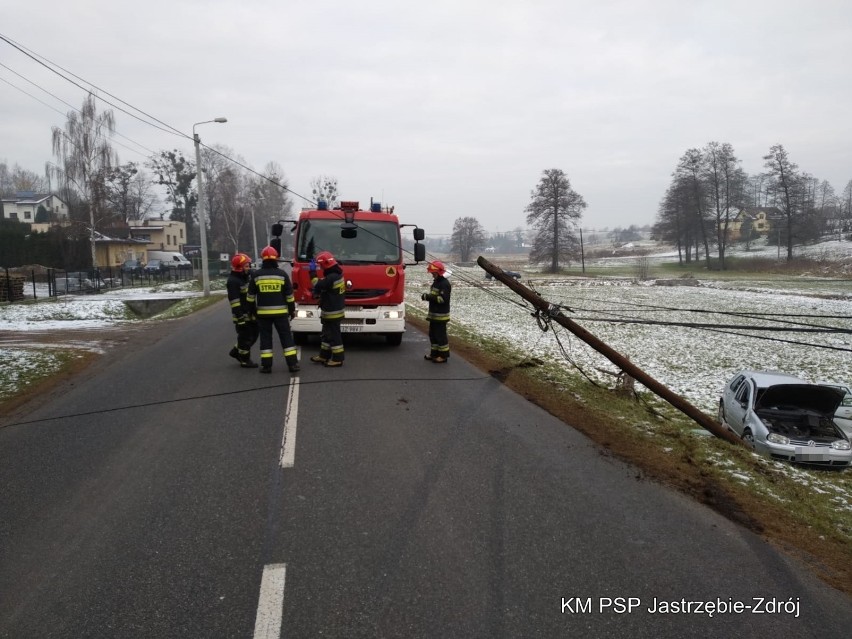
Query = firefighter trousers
x=331 y=340
x=247 y=333
x=281 y=324
x=439 y=339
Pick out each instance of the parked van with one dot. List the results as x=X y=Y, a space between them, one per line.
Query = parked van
x=171 y=259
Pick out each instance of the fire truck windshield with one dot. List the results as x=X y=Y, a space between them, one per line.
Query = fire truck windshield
x=375 y=242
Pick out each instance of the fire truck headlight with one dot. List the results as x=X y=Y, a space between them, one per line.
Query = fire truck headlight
x=393 y=314
x=303 y=314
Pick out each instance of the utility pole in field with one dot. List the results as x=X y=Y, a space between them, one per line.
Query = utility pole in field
x=623 y=363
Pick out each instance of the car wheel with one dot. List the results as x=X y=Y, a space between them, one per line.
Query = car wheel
x=748 y=437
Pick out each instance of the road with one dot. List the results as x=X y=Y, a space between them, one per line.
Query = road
x=169 y=493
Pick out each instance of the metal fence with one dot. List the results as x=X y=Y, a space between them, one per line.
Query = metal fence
x=18 y=284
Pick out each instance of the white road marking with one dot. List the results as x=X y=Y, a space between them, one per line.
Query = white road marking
x=270 y=605
x=291 y=412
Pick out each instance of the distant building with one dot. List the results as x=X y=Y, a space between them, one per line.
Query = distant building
x=114 y=251
x=160 y=235
x=24 y=206
x=762 y=219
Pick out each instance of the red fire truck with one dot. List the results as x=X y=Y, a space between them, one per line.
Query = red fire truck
x=368 y=246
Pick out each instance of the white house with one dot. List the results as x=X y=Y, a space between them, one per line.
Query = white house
x=24 y=206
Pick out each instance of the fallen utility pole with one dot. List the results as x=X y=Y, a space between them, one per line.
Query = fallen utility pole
x=553 y=312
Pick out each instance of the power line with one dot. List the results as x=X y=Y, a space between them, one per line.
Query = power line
x=49 y=65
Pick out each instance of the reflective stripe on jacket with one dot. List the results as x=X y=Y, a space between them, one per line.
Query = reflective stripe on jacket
x=331 y=290
x=439 y=300
x=271 y=291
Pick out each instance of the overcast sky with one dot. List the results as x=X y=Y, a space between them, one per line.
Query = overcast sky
x=451 y=108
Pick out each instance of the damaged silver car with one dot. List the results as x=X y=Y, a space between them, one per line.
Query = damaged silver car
x=787 y=418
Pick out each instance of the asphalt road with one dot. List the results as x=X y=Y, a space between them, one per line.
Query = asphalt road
x=169 y=493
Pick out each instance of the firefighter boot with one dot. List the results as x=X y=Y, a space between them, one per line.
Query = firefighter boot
x=333 y=363
x=293 y=364
x=319 y=359
x=234 y=353
x=245 y=361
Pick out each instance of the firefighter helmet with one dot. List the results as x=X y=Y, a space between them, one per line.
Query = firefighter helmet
x=269 y=253
x=325 y=260
x=240 y=262
x=436 y=267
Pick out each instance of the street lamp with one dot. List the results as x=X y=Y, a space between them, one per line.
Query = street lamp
x=253 y=228
x=202 y=218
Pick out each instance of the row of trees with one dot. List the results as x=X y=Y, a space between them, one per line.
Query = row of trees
x=709 y=188
x=103 y=194
x=554 y=213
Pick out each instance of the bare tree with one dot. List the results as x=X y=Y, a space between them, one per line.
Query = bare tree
x=690 y=169
x=555 y=212
x=231 y=212
x=674 y=219
x=845 y=204
x=788 y=189
x=20 y=179
x=128 y=192
x=725 y=182
x=468 y=236
x=176 y=173
x=276 y=203
x=324 y=187
x=83 y=153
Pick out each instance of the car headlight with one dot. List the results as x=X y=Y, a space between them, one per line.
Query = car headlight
x=775 y=438
x=840 y=444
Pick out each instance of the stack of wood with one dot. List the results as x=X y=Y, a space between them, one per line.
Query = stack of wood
x=11 y=288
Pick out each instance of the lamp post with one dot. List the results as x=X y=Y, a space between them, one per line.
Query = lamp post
x=253 y=228
x=202 y=218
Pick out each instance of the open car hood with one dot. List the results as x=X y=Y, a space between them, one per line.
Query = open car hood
x=813 y=397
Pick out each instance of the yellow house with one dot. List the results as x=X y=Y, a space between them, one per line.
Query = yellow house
x=762 y=218
x=114 y=251
x=159 y=235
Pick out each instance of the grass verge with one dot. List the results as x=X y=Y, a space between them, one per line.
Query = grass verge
x=806 y=513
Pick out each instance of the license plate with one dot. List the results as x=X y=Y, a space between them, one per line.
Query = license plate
x=803 y=456
x=350 y=328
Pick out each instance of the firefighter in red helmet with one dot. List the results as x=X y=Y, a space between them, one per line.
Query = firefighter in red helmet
x=331 y=291
x=439 y=312
x=271 y=291
x=242 y=313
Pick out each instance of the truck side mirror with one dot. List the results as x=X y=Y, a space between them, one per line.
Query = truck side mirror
x=419 y=234
x=419 y=252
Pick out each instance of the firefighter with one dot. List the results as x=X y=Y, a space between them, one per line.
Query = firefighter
x=331 y=291
x=242 y=313
x=271 y=291
x=439 y=312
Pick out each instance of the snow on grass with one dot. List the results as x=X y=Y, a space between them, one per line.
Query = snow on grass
x=26 y=361
x=693 y=362
x=25 y=366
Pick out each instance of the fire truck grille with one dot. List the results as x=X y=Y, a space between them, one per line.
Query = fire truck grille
x=365 y=293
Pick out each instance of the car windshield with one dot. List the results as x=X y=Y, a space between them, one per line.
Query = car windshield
x=375 y=242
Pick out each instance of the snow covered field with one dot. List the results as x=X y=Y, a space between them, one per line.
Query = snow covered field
x=694 y=362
